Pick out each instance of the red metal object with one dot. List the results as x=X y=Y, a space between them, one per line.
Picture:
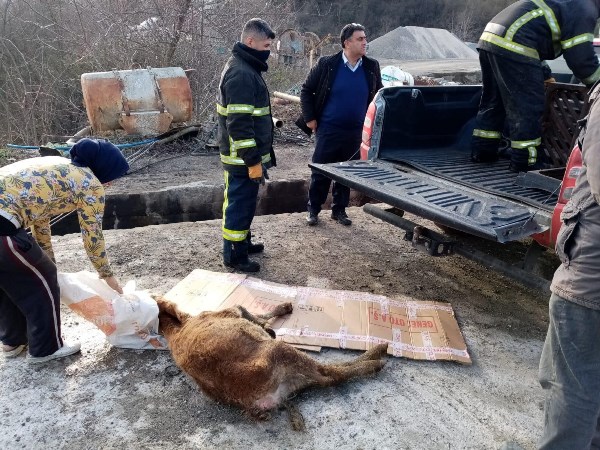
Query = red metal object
x=548 y=238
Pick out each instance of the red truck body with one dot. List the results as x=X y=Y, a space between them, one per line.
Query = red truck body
x=548 y=238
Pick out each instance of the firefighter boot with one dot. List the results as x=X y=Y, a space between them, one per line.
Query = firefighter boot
x=522 y=159
x=485 y=150
x=235 y=255
x=256 y=247
x=482 y=156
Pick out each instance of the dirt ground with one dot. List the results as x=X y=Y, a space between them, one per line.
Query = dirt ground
x=160 y=170
x=116 y=398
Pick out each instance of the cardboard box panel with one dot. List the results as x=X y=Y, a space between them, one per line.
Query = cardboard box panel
x=413 y=329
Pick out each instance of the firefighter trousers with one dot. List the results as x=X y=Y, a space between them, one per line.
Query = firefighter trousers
x=513 y=92
x=239 y=205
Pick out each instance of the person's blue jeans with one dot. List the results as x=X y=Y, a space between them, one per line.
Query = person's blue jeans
x=570 y=372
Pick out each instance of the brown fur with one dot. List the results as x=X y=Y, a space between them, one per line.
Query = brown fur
x=234 y=359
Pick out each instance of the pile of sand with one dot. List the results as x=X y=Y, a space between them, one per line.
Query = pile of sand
x=413 y=43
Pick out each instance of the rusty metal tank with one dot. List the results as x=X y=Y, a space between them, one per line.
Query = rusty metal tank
x=141 y=101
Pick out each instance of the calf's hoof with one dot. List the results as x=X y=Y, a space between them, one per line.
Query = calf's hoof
x=295 y=417
x=260 y=414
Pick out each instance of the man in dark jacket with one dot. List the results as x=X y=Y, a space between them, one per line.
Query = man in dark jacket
x=334 y=98
x=570 y=362
x=510 y=51
x=245 y=140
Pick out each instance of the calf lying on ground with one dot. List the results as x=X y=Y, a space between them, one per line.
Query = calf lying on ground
x=235 y=360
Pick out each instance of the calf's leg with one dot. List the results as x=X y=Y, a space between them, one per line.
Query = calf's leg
x=304 y=372
x=261 y=320
x=377 y=352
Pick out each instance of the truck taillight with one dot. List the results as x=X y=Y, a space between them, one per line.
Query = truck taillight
x=367 y=132
x=548 y=238
x=571 y=173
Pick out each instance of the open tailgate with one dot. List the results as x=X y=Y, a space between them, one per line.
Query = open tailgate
x=456 y=206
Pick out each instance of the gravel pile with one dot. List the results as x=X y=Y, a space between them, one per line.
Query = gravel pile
x=414 y=43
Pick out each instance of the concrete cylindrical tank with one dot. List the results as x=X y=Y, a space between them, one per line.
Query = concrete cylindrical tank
x=141 y=101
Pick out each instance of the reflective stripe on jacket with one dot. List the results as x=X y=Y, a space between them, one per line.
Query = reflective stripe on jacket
x=545 y=29
x=244 y=111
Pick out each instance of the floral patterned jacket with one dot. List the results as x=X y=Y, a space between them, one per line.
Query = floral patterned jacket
x=34 y=190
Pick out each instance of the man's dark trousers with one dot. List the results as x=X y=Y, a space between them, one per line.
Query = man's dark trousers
x=332 y=145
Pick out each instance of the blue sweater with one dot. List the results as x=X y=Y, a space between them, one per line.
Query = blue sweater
x=347 y=103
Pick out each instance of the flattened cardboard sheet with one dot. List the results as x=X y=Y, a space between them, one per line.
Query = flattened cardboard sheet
x=421 y=330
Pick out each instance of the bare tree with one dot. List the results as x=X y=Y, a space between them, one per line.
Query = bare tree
x=463 y=25
x=45 y=46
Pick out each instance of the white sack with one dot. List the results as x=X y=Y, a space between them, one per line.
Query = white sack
x=129 y=320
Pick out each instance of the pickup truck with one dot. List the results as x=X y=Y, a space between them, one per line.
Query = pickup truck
x=415 y=157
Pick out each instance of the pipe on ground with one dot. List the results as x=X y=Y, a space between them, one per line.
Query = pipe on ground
x=291 y=98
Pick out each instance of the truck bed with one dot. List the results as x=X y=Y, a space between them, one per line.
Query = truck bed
x=496 y=178
x=419 y=161
x=442 y=201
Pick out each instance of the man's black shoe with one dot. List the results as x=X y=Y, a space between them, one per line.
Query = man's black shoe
x=341 y=217
x=246 y=266
x=312 y=219
x=257 y=247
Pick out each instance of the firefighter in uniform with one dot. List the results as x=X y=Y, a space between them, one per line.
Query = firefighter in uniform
x=511 y=50
x=245 y=140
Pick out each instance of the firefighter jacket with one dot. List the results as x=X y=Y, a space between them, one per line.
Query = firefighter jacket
x=532 y=30
x=315 y=90
x=244 y=111
x=577 y=278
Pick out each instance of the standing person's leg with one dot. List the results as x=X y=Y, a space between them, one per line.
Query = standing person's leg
x=596 y=441
x=522 y=89
x=347 y=149
x=320 y=184
x=239 y=206
x=570 y=372
x=28 y=277
x=489 y=123
x=13 y=326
